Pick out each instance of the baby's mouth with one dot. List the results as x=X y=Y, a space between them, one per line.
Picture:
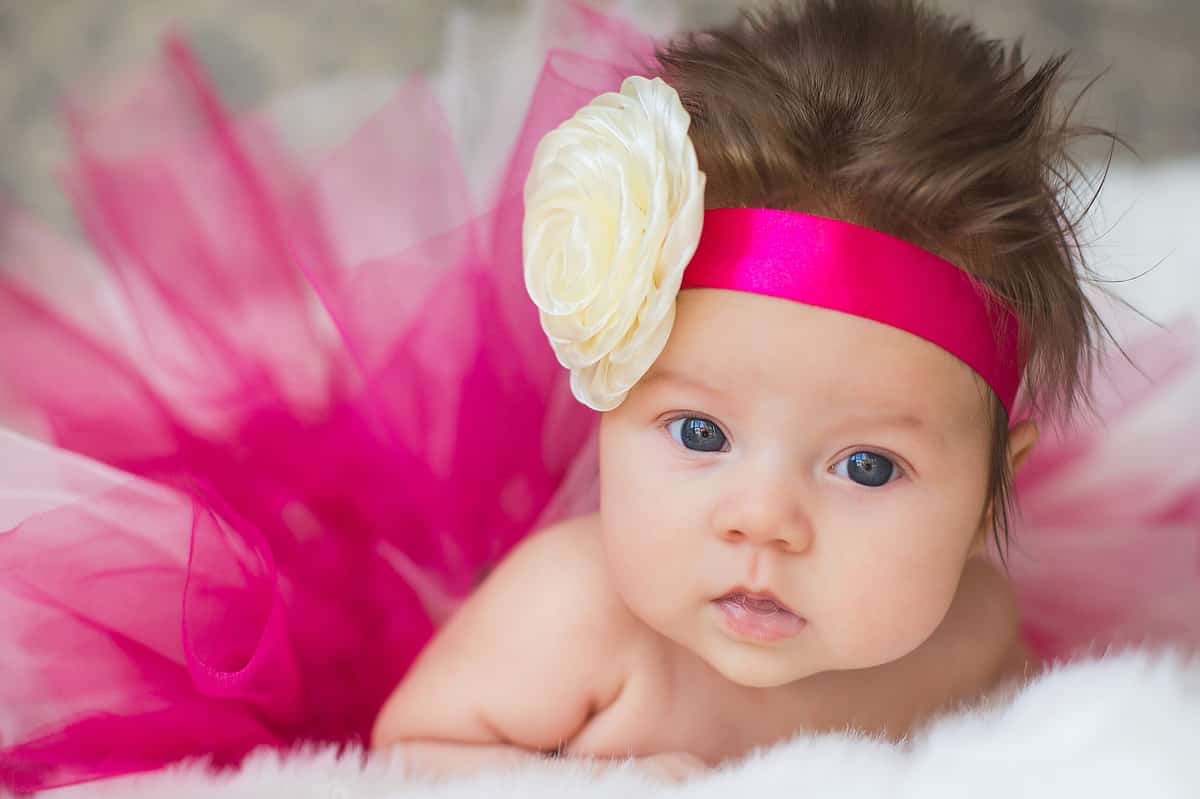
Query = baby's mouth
x=759 y=617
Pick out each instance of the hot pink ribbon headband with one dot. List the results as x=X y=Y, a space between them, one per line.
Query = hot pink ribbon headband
x=856 y=270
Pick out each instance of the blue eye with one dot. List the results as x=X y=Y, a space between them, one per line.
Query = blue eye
x=867 y=468
x=697 y=434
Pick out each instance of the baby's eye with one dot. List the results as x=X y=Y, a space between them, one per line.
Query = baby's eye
x=867 y=468
x=697 y=434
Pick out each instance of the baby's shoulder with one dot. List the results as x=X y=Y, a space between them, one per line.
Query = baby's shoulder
x=561 y=572
x=566 y=562
x=529 y=657
x=574 y=543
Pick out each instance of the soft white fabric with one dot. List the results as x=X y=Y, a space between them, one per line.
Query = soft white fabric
x=1123 y=725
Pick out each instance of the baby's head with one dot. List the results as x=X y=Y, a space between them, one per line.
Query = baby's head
x=847 y=468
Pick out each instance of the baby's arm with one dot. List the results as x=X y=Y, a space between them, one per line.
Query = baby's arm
x=519 y=669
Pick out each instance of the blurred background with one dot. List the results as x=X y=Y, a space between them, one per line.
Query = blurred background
x=255 y=50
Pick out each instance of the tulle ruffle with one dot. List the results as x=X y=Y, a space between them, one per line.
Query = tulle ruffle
x=1106 y=546
x=281 y=422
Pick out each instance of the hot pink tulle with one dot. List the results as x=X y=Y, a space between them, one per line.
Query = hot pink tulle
x=292 y=415
x=1106 y=551
x=292 y=409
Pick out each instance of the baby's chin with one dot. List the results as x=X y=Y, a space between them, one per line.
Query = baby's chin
x=754 y=665
x=758 y=669
x=758 y=664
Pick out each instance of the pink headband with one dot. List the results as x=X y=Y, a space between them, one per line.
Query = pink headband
x=856 y=270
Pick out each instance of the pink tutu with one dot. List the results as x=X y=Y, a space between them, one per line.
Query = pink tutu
x=295 y=407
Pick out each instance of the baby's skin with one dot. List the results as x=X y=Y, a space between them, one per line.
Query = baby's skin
x=790 y=539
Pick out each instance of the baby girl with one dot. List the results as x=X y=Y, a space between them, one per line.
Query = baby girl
x=803 y=271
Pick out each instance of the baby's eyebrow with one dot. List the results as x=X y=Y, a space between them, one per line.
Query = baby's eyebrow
x=906 y=420
x=669 y=375
x=900 y=420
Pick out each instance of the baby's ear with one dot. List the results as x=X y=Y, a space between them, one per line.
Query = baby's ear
x=1021 y=438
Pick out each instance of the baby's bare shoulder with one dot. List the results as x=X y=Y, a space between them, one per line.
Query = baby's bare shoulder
x=529 y=657
x=565 y=562
x=568 y=563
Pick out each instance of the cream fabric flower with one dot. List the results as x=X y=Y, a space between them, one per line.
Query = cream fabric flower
x=614 y=203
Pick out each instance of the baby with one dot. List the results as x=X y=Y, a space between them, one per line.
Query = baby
x=807 y=437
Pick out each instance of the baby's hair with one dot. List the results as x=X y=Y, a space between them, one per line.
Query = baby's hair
x=899 y=118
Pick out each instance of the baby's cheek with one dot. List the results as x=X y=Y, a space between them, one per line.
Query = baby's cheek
x=893 y=614
x=642 y=561
x=640 y=527
x=637 y=585
x=649 y=574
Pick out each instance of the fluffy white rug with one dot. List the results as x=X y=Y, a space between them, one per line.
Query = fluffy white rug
x=1123 y=725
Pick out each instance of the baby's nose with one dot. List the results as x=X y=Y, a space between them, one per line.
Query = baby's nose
x=771 y=517
x=786 y=539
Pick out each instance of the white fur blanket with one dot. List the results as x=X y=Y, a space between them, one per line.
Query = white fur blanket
x=1123 y=725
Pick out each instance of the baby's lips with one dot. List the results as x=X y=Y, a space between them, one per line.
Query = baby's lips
x=758 y=618
x=760 y=602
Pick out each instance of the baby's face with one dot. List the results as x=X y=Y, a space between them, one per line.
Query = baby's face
x=833 y=463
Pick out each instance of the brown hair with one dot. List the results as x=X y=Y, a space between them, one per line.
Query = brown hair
x=896 y=117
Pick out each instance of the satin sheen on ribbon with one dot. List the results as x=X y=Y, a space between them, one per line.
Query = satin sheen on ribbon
x=846 y=267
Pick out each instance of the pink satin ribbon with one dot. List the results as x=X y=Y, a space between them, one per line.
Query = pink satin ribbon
x=856 y=270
